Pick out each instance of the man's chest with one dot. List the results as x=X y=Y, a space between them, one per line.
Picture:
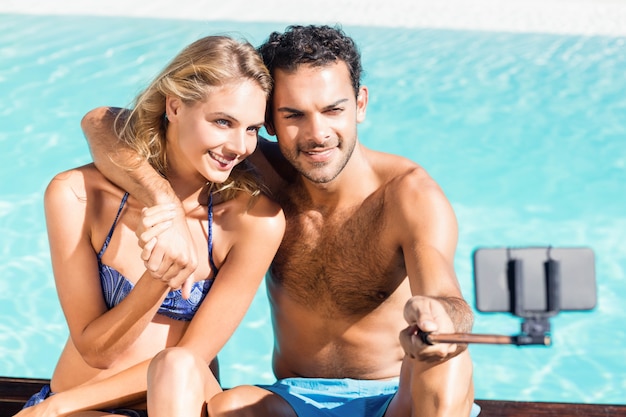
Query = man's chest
x=340 y=263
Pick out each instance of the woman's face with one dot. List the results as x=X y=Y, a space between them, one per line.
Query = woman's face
x=207 y=139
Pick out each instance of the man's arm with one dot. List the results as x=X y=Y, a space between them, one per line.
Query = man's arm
x=120 y=164
x=173 y=254
x=428 y=235
x=440 y=375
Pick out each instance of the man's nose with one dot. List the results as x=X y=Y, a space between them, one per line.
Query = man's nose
x=318 y=129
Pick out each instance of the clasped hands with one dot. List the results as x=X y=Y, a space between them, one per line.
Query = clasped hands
x=167 y=248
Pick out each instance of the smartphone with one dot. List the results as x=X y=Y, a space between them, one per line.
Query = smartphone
x=576 y=286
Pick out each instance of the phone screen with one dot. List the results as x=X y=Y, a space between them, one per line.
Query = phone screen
x=577 y=282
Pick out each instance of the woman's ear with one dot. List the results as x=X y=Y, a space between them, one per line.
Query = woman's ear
x=172 y=104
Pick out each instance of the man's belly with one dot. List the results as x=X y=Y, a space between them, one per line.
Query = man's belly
x=309 y=346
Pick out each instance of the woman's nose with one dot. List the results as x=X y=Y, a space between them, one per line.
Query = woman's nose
x=238 y=143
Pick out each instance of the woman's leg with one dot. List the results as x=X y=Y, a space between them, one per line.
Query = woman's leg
x=95 y=414
x=179 y=384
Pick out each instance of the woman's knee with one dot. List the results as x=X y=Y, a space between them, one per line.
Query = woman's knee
x=175 y=362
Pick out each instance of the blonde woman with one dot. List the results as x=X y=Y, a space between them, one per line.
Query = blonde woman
x=195 y=124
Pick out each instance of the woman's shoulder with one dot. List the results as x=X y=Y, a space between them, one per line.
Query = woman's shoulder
x=258 y=211
x=262 y=221
x=262 y=206
x=79 y=184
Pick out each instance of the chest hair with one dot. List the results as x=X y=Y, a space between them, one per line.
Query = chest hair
x=335 y=263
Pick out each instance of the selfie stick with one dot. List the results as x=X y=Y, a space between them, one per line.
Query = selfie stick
x=535 y=327
x=491 y=339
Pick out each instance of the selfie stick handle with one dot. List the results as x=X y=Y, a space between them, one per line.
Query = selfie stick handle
x=491 y=339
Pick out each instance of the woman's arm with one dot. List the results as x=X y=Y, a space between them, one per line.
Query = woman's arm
x=258 y=234
x=121 y=390
x=99 y=334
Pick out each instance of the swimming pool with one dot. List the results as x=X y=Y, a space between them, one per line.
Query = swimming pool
x=526 y=134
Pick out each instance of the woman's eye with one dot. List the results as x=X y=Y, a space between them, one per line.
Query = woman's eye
x=222 y=122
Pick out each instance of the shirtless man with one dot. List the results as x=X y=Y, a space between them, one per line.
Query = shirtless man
x=367 y=256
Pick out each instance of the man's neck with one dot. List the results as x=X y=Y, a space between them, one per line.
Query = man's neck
x=353 y=184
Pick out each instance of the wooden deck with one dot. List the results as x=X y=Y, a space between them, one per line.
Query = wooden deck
x=15 y=391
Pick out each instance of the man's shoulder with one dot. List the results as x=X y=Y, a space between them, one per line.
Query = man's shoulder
x=406 y=181
x=398 y=171
x=413 y=201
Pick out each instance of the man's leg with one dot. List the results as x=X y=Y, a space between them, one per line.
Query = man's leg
x=434 y=390
x=249 y=401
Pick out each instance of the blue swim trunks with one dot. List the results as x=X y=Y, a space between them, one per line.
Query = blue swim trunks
x=46 y=392
x=318 y=397
x=335 y=397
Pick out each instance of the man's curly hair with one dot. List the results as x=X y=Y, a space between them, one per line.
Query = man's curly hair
x=312 y=45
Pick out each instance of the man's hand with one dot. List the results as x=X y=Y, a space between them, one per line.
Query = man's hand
x=428 y=315
x=168 y=251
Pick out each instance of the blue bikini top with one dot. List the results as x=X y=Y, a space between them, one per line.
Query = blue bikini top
x=115 y=287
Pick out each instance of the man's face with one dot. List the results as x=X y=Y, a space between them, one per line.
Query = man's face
x=315 y=114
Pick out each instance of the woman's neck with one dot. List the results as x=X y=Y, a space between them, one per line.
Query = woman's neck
x=191 y=193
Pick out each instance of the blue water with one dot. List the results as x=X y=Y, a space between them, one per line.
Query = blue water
x=526 y=134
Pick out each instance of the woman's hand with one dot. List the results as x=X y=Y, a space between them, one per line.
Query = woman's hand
x=45 y=408
x=167 y=248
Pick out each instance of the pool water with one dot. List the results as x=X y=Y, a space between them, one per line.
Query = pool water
x=526 y=134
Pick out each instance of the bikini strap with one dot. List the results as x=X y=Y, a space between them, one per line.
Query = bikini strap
x=108 y=239
x=210 y=215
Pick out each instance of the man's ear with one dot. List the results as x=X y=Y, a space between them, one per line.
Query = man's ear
x=172 y=105
x=361 y=103
x=269 y=127
x=269 y=122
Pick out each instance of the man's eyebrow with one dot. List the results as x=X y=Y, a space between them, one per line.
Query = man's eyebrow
x=336 y=103
x=288 y=110
x=330 y=106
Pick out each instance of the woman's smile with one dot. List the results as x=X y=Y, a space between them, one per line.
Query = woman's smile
x=223 y=162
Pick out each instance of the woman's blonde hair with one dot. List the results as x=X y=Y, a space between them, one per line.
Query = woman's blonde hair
x=212 y=61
